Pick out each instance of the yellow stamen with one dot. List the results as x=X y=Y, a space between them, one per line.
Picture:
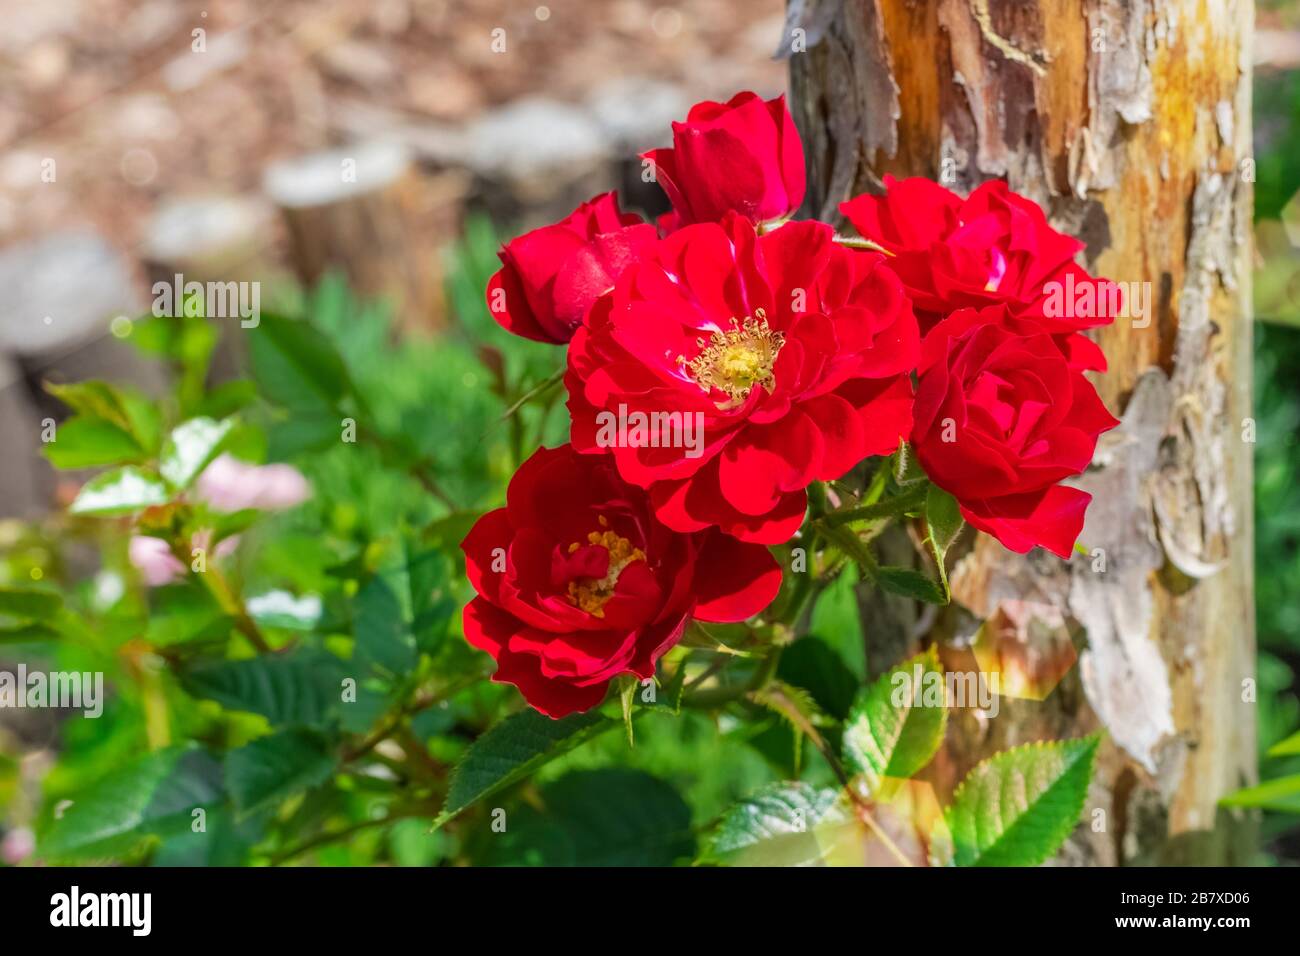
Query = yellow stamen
x=735 y=361
x=592 y=594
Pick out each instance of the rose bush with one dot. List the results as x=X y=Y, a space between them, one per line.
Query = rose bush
x=327 y=675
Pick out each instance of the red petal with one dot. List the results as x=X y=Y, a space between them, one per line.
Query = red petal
x=1051 y=519
x=734 y=580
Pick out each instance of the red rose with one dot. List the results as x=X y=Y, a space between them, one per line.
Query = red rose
x=742 y=156
x=782 y=359
x=995 y=246
x=550 y=276
x=579 y=583
x=1001 y=418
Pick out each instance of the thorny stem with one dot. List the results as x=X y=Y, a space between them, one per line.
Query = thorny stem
x=890 y=508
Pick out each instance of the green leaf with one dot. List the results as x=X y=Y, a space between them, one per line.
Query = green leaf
x=610 y=817
x=303 y=431
x=894 y=730
x=86 y=442
x=1281 y=795
x=29 y=603
x=382 y=622
x=944 y=522
x=128 y=410
x=295 y=365
x=227 y=398
x=773 y=827
x=942 y=518
x=190 y=447
x=512 y=750
x=26 y=632
x=837 y=620
x=300 y=688
x=224 y=841
x=811 y=664
x=395 y=612
x=269 y=769
x=120 y=492
x=911 y=583
x=1018 y=807
x=184 y=611
x=151 y=796
x=1286 y=748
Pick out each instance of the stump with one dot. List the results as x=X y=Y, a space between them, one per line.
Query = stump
x=367 y=212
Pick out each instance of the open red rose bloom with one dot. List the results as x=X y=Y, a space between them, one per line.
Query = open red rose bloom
x=578 y=582
x=1001 y=417
x=767 y=355
x=795 y=351
x=992 y=247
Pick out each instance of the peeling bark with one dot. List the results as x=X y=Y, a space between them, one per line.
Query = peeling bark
x=1129 y=122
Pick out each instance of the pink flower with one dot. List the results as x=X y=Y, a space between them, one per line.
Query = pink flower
x=153 y=558
x=229 y=484
x=18 y=844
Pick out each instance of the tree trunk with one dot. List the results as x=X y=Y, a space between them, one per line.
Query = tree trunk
x=1129 y=122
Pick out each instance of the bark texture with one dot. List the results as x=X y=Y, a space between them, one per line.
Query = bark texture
x=1129 y=122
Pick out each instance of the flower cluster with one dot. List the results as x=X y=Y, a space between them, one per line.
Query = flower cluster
x=724 y=359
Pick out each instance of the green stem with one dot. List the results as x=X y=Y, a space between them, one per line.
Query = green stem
x=849 y=543
x=225 y=595
x=532 y=393
x=333 y=836
x=889 y=508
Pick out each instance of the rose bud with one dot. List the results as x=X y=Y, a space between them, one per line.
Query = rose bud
x=550 y=276
x=578 y=582
x=743 y=156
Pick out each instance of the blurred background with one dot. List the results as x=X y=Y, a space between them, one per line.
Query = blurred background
x=140 y=139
